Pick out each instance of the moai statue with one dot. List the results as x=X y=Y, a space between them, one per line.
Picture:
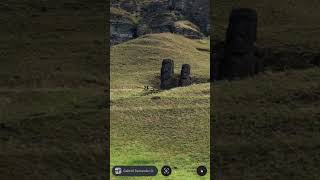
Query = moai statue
x=172 y=4
x=167 y=74
x=216 y=60
x=239 y=60
x=242 y=30
x=185 y=79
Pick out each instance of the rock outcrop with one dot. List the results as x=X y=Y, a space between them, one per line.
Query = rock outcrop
x=122 y=26
x=196 y=11
x=189 y=18
x=131 y=6
x=156 y=18
x=187 y=29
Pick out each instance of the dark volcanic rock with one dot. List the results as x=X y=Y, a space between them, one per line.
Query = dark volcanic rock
x=197 y=11
x=132 y=18
x=131 y=6
x=122 y=26
x=156 y=18
x=187 y=29
x=167 y=74
x=199 y=14
x=185 y=79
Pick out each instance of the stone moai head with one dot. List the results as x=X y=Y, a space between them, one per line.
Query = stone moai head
x=172 y=4
x=185 y=70
x=185 y=79
x=242 y=30
x=167 y=74
x=167 y=69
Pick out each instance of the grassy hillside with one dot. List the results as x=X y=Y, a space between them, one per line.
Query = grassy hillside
x=159 y=127
x=137 y=63
x=52 y=77
x=267 y=127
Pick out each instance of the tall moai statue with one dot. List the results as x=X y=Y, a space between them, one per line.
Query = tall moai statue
x=239 y=59
x=167 y=74
x=172 y=4
x=242 y=30
x=185 y=79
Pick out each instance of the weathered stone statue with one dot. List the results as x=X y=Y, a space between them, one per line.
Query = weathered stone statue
x=239 y=60
x=217 y=57
x=172 y=4
x=185 y=79
x=167 y=74
x=242 y=30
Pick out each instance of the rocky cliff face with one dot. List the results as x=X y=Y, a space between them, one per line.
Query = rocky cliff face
x=133 y=18
x=197 y=11
x=122 y=26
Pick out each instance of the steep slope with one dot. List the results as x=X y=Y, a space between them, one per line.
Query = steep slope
x=267 y=127
x=52 y=77
x=160 y=127
x=137 y=63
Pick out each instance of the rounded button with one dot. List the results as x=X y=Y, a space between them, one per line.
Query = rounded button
x=202 y=170
x=166 y=170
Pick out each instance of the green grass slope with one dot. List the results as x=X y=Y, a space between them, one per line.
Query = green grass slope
x=267 y=127
x=137 y=63
x=52 y=77
x=151 y=127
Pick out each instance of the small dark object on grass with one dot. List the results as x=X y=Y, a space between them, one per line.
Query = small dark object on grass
x=156 y=98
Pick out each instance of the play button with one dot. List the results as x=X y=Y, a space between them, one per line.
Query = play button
x=202 y=171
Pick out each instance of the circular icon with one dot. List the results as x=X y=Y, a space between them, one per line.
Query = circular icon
x=202 y=171
x=166 y=170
